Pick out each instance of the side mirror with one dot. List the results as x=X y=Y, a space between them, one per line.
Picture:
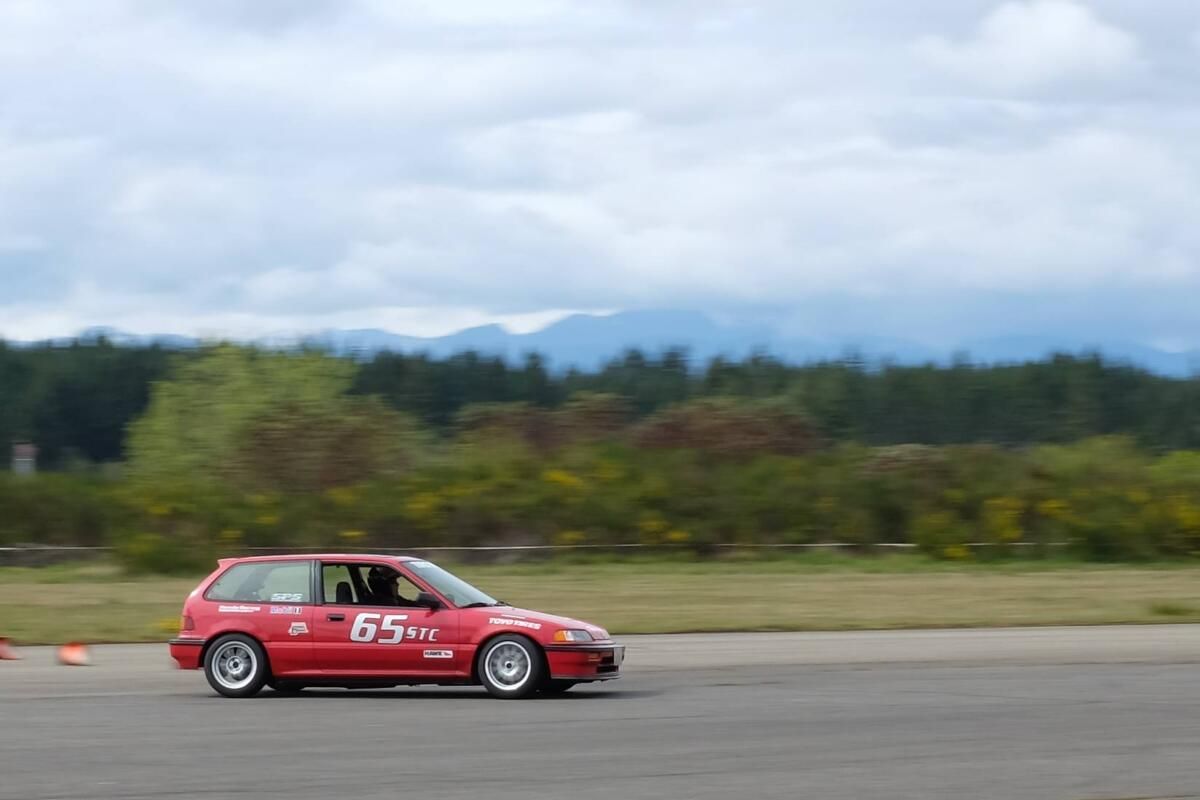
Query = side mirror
x=428 y=600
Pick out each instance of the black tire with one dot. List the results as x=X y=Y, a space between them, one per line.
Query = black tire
x=511 y=667
x=557 y=687
x=236 y=666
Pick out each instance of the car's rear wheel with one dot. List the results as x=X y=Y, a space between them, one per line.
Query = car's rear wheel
x=511 y=667
x=236 y=666
x=557 y=687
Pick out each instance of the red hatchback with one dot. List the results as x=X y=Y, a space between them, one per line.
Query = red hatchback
x=363 y=621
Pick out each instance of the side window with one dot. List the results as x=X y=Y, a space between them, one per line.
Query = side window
x=406 y=591
x=288 y=583
x=339 y=585
x=367 y=585
x=284 y=582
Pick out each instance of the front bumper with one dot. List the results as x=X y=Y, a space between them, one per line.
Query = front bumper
x=186 y=652
x=598 y=661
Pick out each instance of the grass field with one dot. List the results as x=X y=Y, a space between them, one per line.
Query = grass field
x=97 y=603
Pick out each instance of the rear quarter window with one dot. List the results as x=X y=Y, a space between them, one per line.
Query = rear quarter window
x=286 y=582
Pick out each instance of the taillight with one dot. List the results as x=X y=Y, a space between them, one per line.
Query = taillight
x=186 y=623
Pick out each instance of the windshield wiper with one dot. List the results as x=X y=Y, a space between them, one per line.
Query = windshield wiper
x=478 y=605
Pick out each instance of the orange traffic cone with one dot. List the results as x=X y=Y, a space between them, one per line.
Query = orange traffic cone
x=7 y=651
x=74 y=654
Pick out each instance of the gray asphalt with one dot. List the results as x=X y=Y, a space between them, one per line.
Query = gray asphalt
x=1079 y=714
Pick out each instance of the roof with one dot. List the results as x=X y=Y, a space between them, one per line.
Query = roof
x=316 y=556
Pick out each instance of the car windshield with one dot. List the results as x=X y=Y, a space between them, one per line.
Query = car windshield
x=453 y=588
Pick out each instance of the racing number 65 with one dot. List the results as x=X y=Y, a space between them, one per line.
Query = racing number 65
x=364 y=628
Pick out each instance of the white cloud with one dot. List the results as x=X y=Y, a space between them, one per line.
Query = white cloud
x=306 y=165
x=1032 y=43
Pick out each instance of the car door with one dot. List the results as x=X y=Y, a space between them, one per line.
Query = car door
x=358 y=636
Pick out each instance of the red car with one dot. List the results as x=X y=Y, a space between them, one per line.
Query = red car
x=365 y=621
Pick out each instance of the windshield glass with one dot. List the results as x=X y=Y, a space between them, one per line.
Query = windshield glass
x=454 y=589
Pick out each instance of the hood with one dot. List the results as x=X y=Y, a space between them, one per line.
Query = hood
x=550 y=620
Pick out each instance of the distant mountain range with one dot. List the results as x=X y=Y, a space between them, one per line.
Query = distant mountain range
x=587 y=341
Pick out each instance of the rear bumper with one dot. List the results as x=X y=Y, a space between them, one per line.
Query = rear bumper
x=186 y=652
x=585 y=662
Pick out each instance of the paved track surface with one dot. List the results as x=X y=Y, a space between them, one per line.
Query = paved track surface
x=1073 y=713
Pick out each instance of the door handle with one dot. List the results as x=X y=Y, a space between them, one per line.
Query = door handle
x=336 y=617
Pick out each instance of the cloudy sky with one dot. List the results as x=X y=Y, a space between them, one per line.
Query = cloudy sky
x=933 y=169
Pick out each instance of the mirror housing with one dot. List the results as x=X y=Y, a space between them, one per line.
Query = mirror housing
x=428 y=601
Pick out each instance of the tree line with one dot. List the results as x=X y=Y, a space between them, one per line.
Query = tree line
x=77 y=402
x=240 y=448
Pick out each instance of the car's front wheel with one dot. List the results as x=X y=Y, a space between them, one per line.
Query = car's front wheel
x=511 y=667
x=236 y=666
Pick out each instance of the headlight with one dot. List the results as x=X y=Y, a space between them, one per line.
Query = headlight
x=572 y=636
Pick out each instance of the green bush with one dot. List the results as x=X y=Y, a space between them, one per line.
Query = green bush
x=1102 y=500
x=154 y=553
x=59 y=509
x=942 y=534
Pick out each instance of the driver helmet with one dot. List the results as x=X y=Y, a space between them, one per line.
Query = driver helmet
x=382 y=582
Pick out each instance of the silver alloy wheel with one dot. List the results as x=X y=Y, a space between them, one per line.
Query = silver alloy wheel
x=508 y=666
x=234 y=665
